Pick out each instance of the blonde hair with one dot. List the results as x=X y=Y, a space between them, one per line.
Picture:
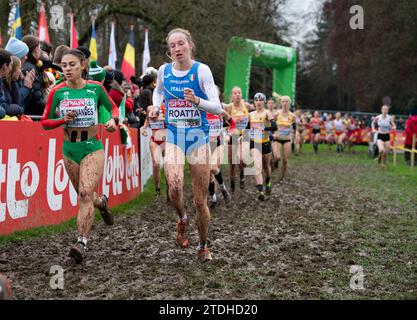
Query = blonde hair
x=15 y=63
x=286 y=97
x=242 y=102
x=187 y=34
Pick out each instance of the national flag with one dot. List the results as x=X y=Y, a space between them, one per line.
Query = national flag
x=43 y=33
x=93 y=42
x=124 y=129
x=112 y=48
x=146 y=54
x=74 y=38
x=17 y=24
x=128 y=64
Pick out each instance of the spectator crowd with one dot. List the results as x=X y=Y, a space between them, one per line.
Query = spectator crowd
x=29 y=68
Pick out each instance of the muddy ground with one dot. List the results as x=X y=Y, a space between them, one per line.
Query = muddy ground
x=300 y=244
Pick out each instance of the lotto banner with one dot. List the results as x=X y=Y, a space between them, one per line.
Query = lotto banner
x=34 y=187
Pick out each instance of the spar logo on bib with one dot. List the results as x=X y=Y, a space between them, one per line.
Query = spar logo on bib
x=215 y=123
x=183 y=114
x=86 y=114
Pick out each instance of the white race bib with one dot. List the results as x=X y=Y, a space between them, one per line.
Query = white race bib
x=183 y=114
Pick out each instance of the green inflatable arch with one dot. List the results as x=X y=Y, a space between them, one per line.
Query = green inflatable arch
x=243 y=53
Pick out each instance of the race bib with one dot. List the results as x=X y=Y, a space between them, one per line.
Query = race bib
x=284 y=132
x=241 y=122
x=256 y=130
x=215 y=124
x=85 y=110
x=316 y=126
x=183 y=114
x=157 y=125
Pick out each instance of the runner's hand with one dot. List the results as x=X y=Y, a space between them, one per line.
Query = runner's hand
x=111 y=126
x=70 y=116
x=144 y=132
x=190 y=96
x=153 y=113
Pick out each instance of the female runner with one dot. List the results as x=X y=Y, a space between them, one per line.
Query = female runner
x=238 y=144
x=261 y=123
x=385 y=124
x=189 y=92
x=284 y=121
x=75 y=105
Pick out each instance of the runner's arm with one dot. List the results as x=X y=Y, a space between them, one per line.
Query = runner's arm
x=373 y=123
x=49 y=120
x=206 y=81
x=393 y=126
x=158 y=93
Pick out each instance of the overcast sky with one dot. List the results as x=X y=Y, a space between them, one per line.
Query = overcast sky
x=302 y=14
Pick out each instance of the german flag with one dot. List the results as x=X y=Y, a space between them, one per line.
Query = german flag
x=128 y=64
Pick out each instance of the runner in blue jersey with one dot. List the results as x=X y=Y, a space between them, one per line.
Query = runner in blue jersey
x=188 y=90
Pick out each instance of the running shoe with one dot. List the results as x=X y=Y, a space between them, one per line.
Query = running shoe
x=226 y=195
x=105 y=211
x=268 y=189
x=204 y=254
x=182 y=236
x=78 y=252
x=261 y=196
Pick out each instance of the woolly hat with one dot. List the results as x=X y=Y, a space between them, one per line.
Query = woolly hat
x=17 y=48
x=96 y=72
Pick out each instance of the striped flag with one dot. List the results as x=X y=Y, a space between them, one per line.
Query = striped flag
x=112 y=50
x=126 y=136
x=17 y=24
x=146 y=54
x=43 y=33
x=74 y=38
x=93 y=42
x=128 y=64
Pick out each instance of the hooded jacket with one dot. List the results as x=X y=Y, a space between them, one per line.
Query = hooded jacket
x=410 y=130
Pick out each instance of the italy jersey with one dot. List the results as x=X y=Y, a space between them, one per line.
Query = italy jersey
x=188 y=127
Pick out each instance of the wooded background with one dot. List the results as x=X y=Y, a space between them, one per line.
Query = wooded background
x=338 y=68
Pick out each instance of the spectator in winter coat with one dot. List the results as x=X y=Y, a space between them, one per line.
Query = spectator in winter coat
x=20 y=49
x=15 y=106
x=35 y=102
x=410 y=131
x=5 y=59
x=121 y=87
